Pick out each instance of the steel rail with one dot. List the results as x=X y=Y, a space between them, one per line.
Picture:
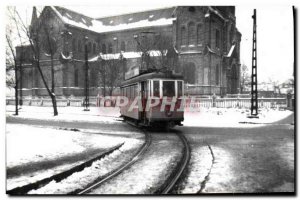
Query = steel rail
x=182 y=165
x=60 y=176
x=137 y=156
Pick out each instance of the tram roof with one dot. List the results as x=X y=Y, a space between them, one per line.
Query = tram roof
x=152 y=75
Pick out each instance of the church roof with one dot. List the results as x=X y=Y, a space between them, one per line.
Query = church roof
x=150 y=15
x=159 y=17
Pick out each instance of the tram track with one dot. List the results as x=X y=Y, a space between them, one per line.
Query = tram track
x=116 y=172
x=166 y=186
x=181 y=167
x=60 y=176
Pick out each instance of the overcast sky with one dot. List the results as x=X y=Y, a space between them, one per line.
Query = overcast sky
x=275 y=43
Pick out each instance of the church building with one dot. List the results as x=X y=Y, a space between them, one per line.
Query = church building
x=200 y=42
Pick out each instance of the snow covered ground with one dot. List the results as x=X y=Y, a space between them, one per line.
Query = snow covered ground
x=34 y=153
x=28 y=147
x=73 y=114
x=99 y=168
x=232 y=117
x=204 y=117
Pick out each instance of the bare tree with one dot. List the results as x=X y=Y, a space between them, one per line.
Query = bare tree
x=12 y=61
x=157 y=51
x=245 y=78
x=110 y=70
x=35 y=36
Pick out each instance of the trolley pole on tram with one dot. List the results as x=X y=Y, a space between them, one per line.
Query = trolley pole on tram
x=254 y=102
x=86 y=100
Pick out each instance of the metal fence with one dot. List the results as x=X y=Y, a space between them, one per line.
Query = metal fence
x=190 y=102
x=236 y=102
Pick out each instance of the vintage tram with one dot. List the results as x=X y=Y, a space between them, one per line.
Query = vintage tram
x=158 y=98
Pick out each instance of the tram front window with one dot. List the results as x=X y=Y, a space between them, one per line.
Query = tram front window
x=169 y=88
x=179 y=87
x=156 y=88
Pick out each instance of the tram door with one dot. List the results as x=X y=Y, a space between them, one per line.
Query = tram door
x=144 y=99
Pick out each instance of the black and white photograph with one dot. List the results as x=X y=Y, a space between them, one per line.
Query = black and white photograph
x=140 y=99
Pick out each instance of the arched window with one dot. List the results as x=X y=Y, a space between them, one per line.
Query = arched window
x=217 y=75
x=76 y=78
x=189 y=71
x=79 y=46
x=103 y=48
x=89 y=47
x=110 y=49
x=191 y=33
x=231 y=34
x=183 y=36
x=218 y=38
x=199 y=34
x=234 y=71
x=122 y=46
x=94 y=48
x=74 y=45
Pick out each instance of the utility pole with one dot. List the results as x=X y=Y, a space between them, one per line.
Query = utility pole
x=86 y=100
x=254 y=104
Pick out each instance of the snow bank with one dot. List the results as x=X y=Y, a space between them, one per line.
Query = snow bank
x=96 y=114
x=231 y=117
x=29 y=147
x=82 y=179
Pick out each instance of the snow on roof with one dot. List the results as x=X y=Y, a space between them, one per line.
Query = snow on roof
x=127 y=55
x=157 y=13
x=230 y=51
x=210 y=50
x=98 y=26
x=216 y=12
x=69 y=15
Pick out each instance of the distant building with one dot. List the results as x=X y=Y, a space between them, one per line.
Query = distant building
x=205 y=42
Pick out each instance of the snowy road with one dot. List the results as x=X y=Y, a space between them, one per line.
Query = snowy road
x=241 y=160
x=256 y=158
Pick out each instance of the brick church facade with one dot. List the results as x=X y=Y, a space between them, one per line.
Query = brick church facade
x=204 y=41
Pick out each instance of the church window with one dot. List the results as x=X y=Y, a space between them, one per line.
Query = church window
x=217 y=75
x=103 y=48
x=218 y=38
x=94 y=48
x=74 y=45
x=122 y=46
x=191 y=33
x=110 y=48
x=76 y=78
x=199 y=34
x=183 y=36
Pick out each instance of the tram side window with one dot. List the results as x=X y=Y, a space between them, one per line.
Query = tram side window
x=127 y=92
x=156 y=88
x=179 y=87
x=169 y=88
x=149 y=85
x=135 y=91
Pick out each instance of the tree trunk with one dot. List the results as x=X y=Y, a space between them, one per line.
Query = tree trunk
x=16 y=90
x=53 y=97
x=104 y=85
x=21 y=81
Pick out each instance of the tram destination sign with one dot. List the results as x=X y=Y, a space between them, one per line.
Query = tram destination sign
x=132 y=72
